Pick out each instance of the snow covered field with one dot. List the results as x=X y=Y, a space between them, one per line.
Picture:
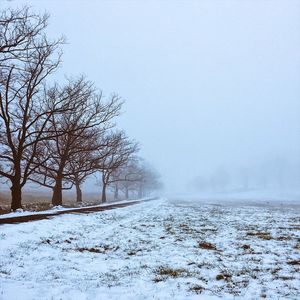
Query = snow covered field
x=162 y=249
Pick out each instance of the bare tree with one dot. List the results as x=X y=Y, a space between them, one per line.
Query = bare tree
x=85 y=163
x=27 y=58
x=137 y=176
x=81 y=166
x=89 y=118
x=113 y=157
x=20 y=29
x=149 y=181
x=126 y=177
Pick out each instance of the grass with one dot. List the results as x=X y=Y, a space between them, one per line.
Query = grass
x=246 y=247
x=224 y=276
x=294 y=262
x=264 y=235
x=41 y=200
x=102 y=249
x=92 y=250
x=134 y=252
x=198 y=289
x=165 y=272
x=206 y=246
x=170 y=272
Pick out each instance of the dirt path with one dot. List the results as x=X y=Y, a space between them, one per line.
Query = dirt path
x=84 y=210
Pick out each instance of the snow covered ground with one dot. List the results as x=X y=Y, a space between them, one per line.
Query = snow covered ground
x=162 y=249
x=55 y=209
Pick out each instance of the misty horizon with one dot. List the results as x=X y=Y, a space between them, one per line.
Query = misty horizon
x=205 y=86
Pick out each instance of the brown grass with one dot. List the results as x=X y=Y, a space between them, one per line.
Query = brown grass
x=261 y=234
x=295 y=262
x=164 y=272
x=198 y=289
x=207 y=246
x=92 y=250
x=40 y=200
x=223 y=276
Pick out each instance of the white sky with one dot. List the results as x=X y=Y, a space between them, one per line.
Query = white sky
x=206 y=83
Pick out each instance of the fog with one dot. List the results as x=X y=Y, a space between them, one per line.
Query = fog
x=208 y=85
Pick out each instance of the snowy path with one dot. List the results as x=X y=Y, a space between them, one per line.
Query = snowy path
x=28 y=216
x=155 y=250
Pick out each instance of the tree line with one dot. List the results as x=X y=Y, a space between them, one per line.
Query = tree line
x=273 y=173
x=57 y=135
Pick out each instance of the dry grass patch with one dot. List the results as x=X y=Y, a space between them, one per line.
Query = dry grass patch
x=102 y=249
x=246 y=247
x=206 y=246
x=295 y=262
x=224 y=276
x=284 y=238
x=134 y=252
x=170 y=272
x=92 y=250
x=165 y=272
x=198 y=289
x=261 y=234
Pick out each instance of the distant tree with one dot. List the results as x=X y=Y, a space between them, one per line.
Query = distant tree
x=149 y=180
x=220 y=179
x=273 y=173
x=27 y=58
x=200 y=183
x=136 y=176
x=113 y=157
x=244 y=174
x=126 y=177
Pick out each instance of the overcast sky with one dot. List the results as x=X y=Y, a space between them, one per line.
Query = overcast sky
x=206 y=83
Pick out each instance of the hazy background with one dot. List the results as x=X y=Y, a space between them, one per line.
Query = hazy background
x=209 y=85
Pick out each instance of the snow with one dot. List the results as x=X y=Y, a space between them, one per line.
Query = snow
x=55 y=209
x=153 y=251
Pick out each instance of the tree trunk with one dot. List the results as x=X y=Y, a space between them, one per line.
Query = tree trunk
x=78 y=192
x=16 y=194
x=57 y=192
x=116 y=191
x=103 y=200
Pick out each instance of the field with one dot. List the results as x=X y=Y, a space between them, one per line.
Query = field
x=35 y=200
x=162 y=249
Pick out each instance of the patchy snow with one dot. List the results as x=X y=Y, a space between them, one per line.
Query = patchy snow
x=162 y=249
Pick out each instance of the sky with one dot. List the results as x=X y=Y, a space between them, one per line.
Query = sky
x=206 y=83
